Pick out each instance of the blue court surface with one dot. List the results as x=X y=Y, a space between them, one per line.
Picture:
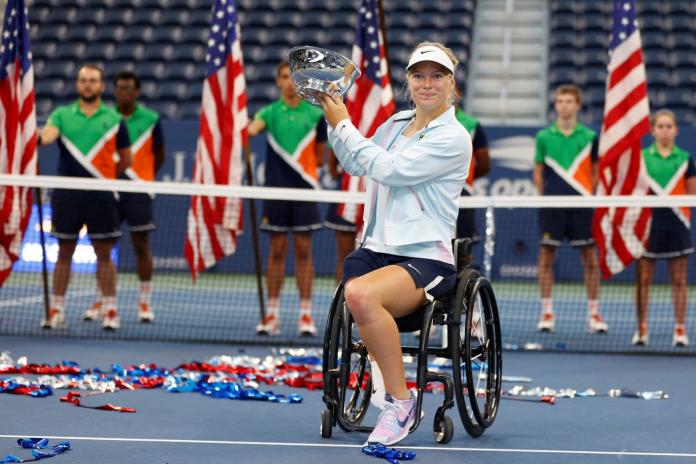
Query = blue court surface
x=185 y=428
x=224 y=308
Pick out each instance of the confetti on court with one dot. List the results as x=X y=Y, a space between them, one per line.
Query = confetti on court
x=392 y=455
x=40 y=449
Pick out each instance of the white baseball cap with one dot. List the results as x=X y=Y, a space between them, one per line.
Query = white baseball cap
x=431 y=53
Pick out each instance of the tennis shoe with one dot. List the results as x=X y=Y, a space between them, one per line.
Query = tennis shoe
x=55 y=319
x=679 y=338
x=305 y=326
x=547 y=323
x=595 y=324
x=145 y=313
x=395 y=420
x=269 y=326
x=94 y=312
x=640 y=337
x=111 y=320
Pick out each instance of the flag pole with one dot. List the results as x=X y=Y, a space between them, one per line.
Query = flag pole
x=383 y=29
x=254 y=233
x=44 y=267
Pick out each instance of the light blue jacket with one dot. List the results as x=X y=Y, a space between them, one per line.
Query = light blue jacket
x=422 y=182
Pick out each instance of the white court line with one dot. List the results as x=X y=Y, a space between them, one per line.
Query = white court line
x=337 y=445
x=27 y=300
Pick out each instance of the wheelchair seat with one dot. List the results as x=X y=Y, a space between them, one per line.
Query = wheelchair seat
x=461 y=249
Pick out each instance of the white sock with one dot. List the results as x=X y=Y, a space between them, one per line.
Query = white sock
x=109 y=303
x=593 y=307
x=145 y=291
x=378 y=391
x=273 y=306
x=57 y=302
x=305 y=307
x=98 y=297
x=547 y=306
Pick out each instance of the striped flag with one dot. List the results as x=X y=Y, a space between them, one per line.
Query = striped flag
x=370 y=101
x=214 y=223
x=17 y=131
x=621 y=233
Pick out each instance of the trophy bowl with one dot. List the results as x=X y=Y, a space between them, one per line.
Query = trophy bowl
x=316 y=71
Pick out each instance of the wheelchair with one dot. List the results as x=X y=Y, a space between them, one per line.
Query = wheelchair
x=469 y=315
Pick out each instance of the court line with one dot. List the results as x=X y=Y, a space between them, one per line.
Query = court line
x=27 y=300
x=338 y=445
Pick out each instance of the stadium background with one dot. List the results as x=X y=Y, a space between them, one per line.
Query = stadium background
x=165 y=42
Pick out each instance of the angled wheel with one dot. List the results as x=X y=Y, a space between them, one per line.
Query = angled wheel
x=476 y=352
x=483 y=345
x=344 y=351
x=355 y=381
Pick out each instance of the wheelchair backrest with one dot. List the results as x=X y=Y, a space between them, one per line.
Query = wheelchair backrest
x=461 y=248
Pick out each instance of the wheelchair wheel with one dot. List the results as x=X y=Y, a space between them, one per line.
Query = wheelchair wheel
x=347 y=352
x=326 y=423
x=476 y=352
x=443 y=430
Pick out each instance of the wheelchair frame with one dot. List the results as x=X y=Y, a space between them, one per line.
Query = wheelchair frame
x=475 y=350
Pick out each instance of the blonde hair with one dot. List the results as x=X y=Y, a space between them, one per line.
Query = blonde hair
x=455 y=95
x=663 y=112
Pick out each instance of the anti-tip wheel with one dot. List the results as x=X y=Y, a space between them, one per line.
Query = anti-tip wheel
x=326 y=423
x=443 y=430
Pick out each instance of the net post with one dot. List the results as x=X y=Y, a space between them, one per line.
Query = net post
x=489 y=241
x=254 y=233
x=44 y=267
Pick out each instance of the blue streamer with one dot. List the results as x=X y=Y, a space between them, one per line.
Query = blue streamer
x=390 y=454
x=40 y=449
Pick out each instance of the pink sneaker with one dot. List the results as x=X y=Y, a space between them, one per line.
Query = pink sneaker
x=394 y=421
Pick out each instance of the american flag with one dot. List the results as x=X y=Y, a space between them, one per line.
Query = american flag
x=17 y=131
x=370 y=101
x=213 y=223
x=621 y=232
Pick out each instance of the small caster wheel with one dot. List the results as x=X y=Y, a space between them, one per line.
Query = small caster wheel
x=443 y=430
x=327 y=424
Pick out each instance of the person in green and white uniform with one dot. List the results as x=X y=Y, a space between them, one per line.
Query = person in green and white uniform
x=89 y=135
x=671 y=171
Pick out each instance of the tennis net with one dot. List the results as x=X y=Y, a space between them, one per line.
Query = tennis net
x=223 y=303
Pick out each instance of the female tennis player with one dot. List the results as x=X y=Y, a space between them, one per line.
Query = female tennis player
x=671 y=171
x=416 y=164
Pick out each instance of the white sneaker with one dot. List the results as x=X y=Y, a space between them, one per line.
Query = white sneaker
x=679 y=338
x=595 y=324
x=94 y=312
x=305 y=326
x=111 y=320
x=640 y=338
x=269 y=326
x=145 y=313
x=395 y=420
x=55 y=320
x=547 y=323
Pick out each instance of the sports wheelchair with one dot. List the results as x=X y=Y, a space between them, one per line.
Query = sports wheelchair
x=469 y=315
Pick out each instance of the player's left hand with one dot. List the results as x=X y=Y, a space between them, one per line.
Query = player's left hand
x=334 y=109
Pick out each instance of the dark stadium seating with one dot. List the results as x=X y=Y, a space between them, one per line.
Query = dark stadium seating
x=164 y=41
x=579 y=33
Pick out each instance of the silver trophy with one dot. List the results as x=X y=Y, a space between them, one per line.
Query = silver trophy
x=316 y=71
